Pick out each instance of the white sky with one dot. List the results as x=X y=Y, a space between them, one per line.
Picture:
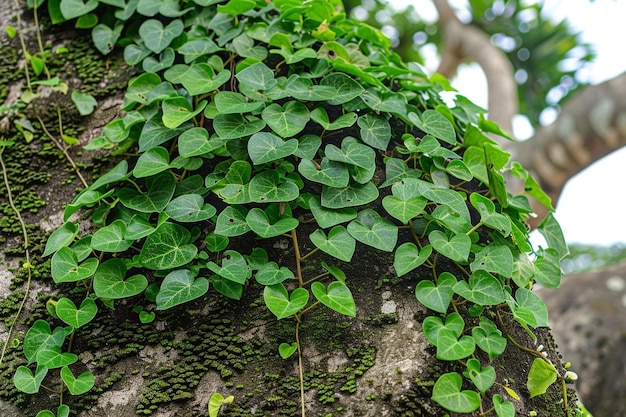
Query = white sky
x=590 y=210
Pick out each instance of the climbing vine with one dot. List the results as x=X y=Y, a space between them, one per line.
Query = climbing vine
x=253 y=120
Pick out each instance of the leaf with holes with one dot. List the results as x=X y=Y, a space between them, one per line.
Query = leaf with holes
x=260 y=224
x=337 y=297
x=190 y=208
x=25 y=381
x=64 y=266
x=61 y=237
x=160 y=189
x=270 y=274
x=179 y=287
x=232 y=221
x=325 y=217
x=266 y=147
x=76 y=317
x=339 y=243
x=281 y=303
x=234 y=267
x=111 y=238
x=156 y=37
x=408 y=257
x=483 y=378
x=373 y=230
x=266 y=188
x=436 y=297
x=110 y=280
x=330 y=173
x=178 y=110
x=350 y=196
x=167 y=247
x=286 y=120
x=447 y=393
x=456 y=248
x=77 y=385
x=483 y=289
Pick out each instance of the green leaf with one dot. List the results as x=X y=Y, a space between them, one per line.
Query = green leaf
x=51 y=357
x=76 y=8
x=25 y=381
x=547 y=268
x=449 y=348
x=551 y=231
x=40 y=336
x=111 y=238
x=270 y=274
x=178 y=110
x=228 y=102
x=260 y=224
x=156 y=37
x=195 y=142
x=325 y=217
x=483 y=289
x=179 y=287
x=528 y=299
x=373 y=230
x=404 y=210
x=266 y=188
x=541 y=375
x=432 y=325
x=235 y=126
x=375 y=131
x=228 y=288
x=160 y=189
x=436 y=297
x=330 y=173
x=110 y=280
x=283 y=305
x=320 y=116
x=232 y=221
x=77 y=385
x=234 y=267
x=456 y=248
x=434 y=123
x=138 y=227
x=483 y=378
x=167 y=247
x=408 y=257
x=65 y=267
x=76 y=317
x=352 y=153
x=199 y=78
x=236 y=7
x=302 y=88
x=215 y=242
x=116 y=174
x=447 y=393
x=266 y=147
x=339 y=243
x=61 y=237
x=152 y=162
x=344 y=88
x=337 y=297
x=285 y=350
x=190 y=208
x=217 y=400
x=503 y=408
x=350 y=196
x=257 y=76
x=488 y=214
x=494 y=258
x=85 y=103
x=489 y=338
x=286 y=120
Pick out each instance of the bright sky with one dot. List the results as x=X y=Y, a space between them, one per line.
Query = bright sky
x=591 y=209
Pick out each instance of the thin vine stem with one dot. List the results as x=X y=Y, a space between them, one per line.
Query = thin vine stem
x=300 y=367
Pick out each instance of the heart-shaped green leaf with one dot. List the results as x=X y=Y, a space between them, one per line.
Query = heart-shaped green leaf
x=270 y=274
x=308 y=145
x=61 y=237
x=432 y=325
x=160 y=189
x=199 y=78
x=111 y=238
x=265 y=147
x=226 y=287
x=260 y=224
x=266 y=187
x=489 y=341
x=373 y=230
x=494 y=258
x=164 y=61
x=228 y=102
x=178 y=110
x=320 y=116
x=449 y=348
x=85 y=103
x=138 y=227
x=156 y=37
x=302 y=88
x=76 y=317
x=283 y=305
x=404 y=210
x=375 y=130
x=408 y=257
x=234 y=267
x=343 y=87
x=547 y=268
x=190 y=208
x=488 y=215
x=152 y=162
x=436 y=124
x=483 y=289
x=25 y=381
x=436 y=297
x=339 y=243
x=330 y=173
x=456 y=248
x=167 y=247
x=257 y=76
x=286 y=350
x=528 y=299
x=195 y=142
x=41 y=336
x=232 y=221
x=65 y=267
x=217 y=400
x=76 y=8
x=179 y=287
x=483 y=378
x=51 y=357
x=503 y=408
x=351 y=153
x=336 y=297
x=234 y=126
x=286 y=120
x=541 y=375
x=447 y=393
x=325 y=217
x=110 y=280
x=351 y=196
x=77 y=385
